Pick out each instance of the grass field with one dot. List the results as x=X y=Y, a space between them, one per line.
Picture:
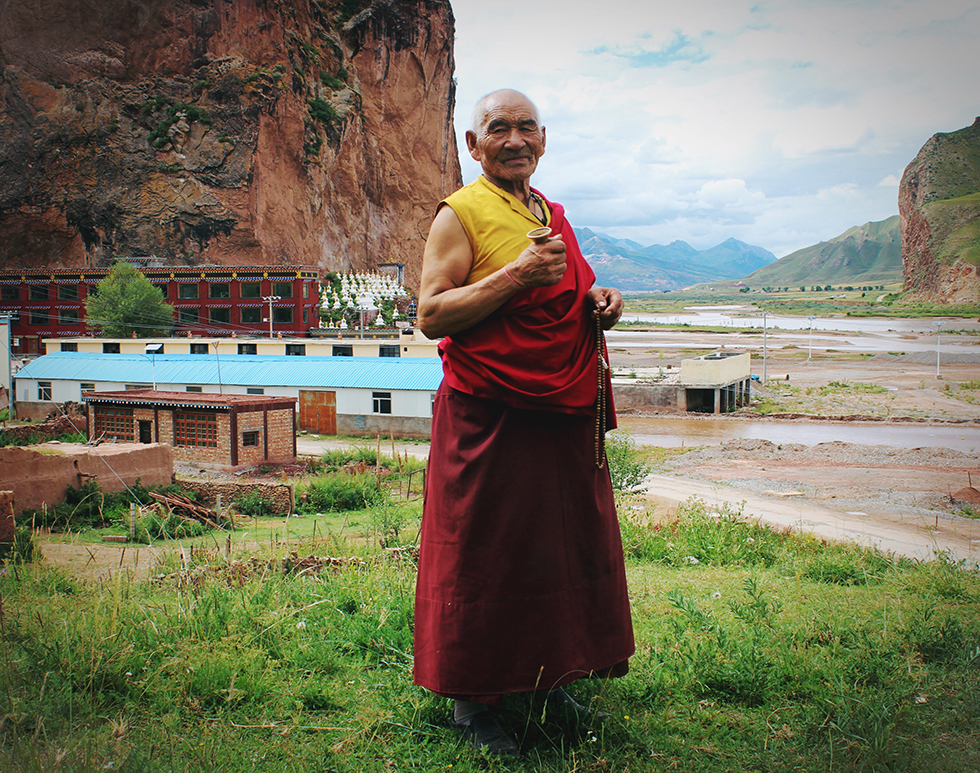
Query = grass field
x=756 y=651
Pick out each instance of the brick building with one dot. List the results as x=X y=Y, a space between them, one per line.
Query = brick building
x=222 y=430
x=207 y=300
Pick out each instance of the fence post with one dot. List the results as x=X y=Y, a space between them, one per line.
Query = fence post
x=132 y=521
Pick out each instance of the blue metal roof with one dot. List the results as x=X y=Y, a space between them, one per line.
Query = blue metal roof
x=412 y=373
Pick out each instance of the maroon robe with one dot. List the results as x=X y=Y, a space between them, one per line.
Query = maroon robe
x=521 y=582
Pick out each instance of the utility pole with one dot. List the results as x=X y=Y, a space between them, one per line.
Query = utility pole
x=939 y=331
x=765 y=352
x=809 y=353
x=270 y=299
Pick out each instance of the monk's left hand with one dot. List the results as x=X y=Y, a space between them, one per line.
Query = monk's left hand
x=608 y=305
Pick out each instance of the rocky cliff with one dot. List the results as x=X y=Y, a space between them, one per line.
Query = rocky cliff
x=218 y=131
x=939 y=205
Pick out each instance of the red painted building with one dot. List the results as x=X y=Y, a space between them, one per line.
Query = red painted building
x=207 y=300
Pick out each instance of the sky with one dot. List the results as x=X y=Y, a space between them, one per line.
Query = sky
x=781 y=124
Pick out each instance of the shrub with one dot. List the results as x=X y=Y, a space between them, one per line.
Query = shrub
x=154 y=526
x=22 y=549
x=626 y=469
x=342 y=491
x=253 y=503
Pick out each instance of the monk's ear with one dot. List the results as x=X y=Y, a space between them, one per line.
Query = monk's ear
x=544 y=140
x=471 y=145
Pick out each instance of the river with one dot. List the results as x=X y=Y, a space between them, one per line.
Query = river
x=671 y=432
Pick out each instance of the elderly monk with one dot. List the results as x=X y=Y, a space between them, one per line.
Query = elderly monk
x=521 y=583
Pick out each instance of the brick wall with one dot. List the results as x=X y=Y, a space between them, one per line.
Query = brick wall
x=281 y=434
x=252 y=421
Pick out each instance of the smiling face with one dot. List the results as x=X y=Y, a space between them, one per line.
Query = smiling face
x=507 y=138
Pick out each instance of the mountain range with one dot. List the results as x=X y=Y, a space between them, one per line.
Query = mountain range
x=629 y=265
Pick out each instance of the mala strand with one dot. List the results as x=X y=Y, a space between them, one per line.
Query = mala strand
x=600 y=416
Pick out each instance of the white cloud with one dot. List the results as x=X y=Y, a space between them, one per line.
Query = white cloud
x=780 y=124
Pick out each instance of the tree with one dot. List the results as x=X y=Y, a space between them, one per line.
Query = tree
x=127 y=303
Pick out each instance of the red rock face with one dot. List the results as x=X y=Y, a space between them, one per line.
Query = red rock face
x=208 y=131
x=939 y=217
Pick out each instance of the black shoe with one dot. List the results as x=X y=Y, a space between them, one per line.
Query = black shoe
x=485 y=732
x=572 y=709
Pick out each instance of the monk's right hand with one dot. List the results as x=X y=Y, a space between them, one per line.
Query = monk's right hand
x=540 y=265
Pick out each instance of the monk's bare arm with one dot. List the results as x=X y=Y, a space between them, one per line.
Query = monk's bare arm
x=446 y=305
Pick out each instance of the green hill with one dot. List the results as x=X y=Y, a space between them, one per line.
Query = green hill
x=866 y=254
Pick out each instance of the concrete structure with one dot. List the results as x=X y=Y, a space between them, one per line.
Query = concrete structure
x=221 y=430
x=334 y=395
x=716 y=383
x=409 y=342
x=207 y=300
x=43 y=473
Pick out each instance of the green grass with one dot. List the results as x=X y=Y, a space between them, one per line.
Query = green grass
x=756 y=651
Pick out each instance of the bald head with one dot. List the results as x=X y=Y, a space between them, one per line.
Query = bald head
x=495 y=99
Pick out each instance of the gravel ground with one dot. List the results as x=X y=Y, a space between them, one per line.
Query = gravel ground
x=906 y=483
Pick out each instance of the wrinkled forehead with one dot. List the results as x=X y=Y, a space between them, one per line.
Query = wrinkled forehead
x=508 y=109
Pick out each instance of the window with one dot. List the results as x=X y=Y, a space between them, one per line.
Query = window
x=39 y=292
x=306 y=289
x=389 y=350
x=110 y=348
x=247 y=349
x=114 y=422
x=43 y=390
x=134 y=387
x=282 y=289
x=93 y=290
x=219 y=316
x=251 y=290
x=67 y=292
x=39 y=316
x=188 y=316
x=69 y=347
x=195 y=389
x=199 y=348
x=255 y=390
x=296 y=350
x=188 y=291
x=251 y=316
x=343 y=350
x=9 y=293
x=68 y=316
x=219 y=290
x=87 y=386
x=196 y=429
x=381 y=401
x=161 y=288
x=250 y=438
x=306 y=315
x=283 y=316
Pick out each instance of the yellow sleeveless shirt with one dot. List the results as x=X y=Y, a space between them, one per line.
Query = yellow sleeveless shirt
x=495 y=222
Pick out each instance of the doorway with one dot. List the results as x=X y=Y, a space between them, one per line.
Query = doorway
x=146 y=432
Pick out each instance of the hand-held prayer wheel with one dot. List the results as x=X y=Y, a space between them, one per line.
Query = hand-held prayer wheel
x=539 y=235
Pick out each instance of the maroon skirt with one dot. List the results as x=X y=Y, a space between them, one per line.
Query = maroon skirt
x=521 y=582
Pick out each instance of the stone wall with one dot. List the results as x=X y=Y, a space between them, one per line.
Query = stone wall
x=649 y=397
x=278 y=495
x=46 y=430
